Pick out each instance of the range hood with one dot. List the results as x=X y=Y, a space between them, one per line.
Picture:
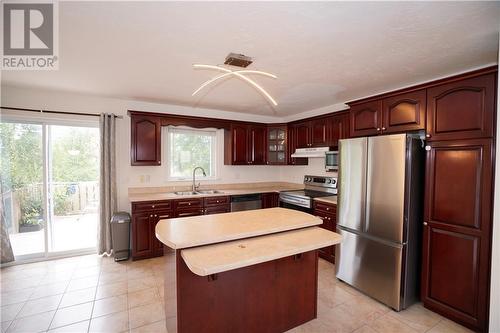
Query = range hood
x=310 y=152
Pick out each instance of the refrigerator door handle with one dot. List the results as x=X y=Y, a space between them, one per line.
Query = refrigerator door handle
x=373 y=238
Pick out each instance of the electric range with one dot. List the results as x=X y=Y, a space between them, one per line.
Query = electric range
x=314 y=187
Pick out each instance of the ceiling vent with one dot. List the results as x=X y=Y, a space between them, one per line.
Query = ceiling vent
x=238 y=60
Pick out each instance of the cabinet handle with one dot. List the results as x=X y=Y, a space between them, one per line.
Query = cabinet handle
x=378 y=128
x=152 y=206
x=189 y=204
x=425 y=223
x=383 y=128
x=151 y=215
x=185 y=214
x=159 y=162
x=427 y=135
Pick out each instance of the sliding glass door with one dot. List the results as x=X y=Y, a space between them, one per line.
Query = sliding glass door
x=22 y=190
x=73 y=187
x=50 y=187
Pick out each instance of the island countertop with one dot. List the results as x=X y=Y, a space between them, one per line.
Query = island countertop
x=180 y=233
x=212 y=259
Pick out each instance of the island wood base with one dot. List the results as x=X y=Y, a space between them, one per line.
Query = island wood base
x=274 y=296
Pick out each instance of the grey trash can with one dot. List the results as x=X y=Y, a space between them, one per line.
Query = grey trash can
x=120 y=235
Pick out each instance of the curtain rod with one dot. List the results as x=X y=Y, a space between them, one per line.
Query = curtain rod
x=58 y=112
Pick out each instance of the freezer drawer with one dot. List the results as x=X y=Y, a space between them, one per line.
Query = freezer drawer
x=371 y=266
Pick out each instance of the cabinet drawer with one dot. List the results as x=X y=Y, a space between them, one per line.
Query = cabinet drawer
x=217 y=209
x=216 y=201
x=326 y=208
x=151 y=206
x=185 y=212
x=161 y=215
x=328 y=221
x=188 y=203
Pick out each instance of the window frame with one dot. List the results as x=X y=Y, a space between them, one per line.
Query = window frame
x=168 y=152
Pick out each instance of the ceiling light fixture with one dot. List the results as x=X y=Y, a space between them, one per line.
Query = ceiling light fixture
x=239 y=74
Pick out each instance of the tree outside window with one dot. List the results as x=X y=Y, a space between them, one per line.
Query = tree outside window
x=189 y=148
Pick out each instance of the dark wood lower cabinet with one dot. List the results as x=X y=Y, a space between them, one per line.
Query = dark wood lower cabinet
x=157 y=246
x=269 y=297
x=145 y=216
x=457 y=230
x=141 y=231
x=217 y=209
x=270 y=200
x=328 y=213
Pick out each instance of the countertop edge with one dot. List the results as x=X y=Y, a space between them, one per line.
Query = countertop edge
x=249 y=262
x=231 y=192
x=181 y=246
x=329 y=200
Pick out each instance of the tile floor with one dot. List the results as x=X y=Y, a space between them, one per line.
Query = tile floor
x=94 y=294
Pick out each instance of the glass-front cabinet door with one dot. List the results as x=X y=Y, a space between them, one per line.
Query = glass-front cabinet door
x=276 y=145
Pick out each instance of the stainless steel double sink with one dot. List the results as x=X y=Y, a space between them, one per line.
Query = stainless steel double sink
x=198 y=192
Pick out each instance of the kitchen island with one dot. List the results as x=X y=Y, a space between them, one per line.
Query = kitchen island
x=249 y=271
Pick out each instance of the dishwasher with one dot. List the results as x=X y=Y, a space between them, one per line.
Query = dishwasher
x=245 y=202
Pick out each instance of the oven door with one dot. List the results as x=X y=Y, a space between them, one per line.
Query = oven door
x=295 y=207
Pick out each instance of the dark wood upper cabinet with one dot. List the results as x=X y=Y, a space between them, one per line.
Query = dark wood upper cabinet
x=404 y=112
x=339 y=128
x=457 y=231
x=461 y=109
x=366 y=119
x=319 y=132
x=257 y=144
x=292 y=145
x=245 y=144
x=145 y=148
x=400 y=113
x=236 y=144
x=324 y=131
x=302 y=135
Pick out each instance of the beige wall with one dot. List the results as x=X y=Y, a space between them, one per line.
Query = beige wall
x=130 y=176
x=495 y=257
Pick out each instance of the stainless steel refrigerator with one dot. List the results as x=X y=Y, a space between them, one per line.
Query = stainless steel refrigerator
x=380 y=206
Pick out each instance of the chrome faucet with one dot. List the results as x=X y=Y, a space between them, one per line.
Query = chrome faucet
x=195 y=187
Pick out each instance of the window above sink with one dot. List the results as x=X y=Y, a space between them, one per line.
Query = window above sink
x=186 y=148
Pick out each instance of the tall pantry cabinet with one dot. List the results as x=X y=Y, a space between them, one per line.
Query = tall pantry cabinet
x=458 y=199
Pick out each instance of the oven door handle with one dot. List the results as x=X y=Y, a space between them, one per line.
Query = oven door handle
x=292 y=201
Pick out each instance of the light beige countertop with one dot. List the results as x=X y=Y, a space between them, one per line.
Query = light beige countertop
x=212 y=259
x=167 y=193
x=180 y=233
x=331 y=199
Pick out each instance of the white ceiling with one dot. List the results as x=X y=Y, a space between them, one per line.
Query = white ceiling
x=323 y=53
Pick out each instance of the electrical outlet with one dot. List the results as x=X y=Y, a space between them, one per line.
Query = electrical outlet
x=144 y=179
